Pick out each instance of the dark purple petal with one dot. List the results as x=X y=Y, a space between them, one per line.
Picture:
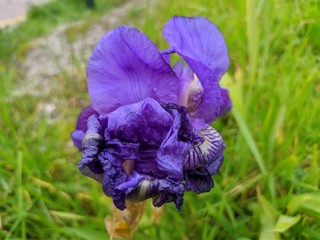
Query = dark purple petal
x=198 y=180
x=186 y=131
x=113 y=176
x=147 y=164
x=123 y=150
x=77 y=137
x=139 y=151
x=132 y=182
x=172 y=152
x=126 y=68
x=202 y=46
x=175 y=147
x=145 y=122
x=227 y=103
x=81 y=126
x=92 y=145
x=161 y=190
x=83 y=118
x=215 y=165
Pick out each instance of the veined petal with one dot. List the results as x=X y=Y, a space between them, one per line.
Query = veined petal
x=206 y=153
x=125 y=68
x=202 y=46
x=203 y=161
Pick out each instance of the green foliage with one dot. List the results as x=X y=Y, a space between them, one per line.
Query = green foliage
x=268 y=186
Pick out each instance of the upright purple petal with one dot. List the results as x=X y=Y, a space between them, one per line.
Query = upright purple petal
x=126 y=67
x=202 y=46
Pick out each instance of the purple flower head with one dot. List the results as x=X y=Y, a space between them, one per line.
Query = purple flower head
x=147 y=132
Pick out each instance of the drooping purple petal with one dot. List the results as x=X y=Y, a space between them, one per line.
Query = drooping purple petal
x=138 y=142
x=81 y=126
x=203 y=161
x=113 y=176
x=77 y=136
x=227 y=103
x=175 y=147
x=145 y=122
x=161 y=190
x=92 y=145
x=126 y=68
x=83 y=118
x=198 y=180
x=202 y=46
x=207 y=152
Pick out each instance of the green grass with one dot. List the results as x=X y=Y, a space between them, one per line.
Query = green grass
x=268 y=186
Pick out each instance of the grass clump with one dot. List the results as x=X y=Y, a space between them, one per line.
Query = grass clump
x=268 y=186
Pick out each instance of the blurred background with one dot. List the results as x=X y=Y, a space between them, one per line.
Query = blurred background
x=268 y=186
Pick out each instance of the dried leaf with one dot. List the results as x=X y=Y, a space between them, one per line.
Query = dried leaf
x=123 y=224
x=156 y=214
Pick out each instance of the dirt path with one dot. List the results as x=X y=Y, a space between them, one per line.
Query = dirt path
x=59 y=53
x=14 y=11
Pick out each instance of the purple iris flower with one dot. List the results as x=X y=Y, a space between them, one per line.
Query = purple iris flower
x=147 y=132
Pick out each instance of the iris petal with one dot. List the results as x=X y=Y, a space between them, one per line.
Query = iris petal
x=202 y=46
x=161 y=190
x=203 y=161
x=144 y=141
x=81 y=126
x=198 y=180
x=206 y=153
x=125 y=68
x=92 y=144
x=227 y=103
x=170 y=155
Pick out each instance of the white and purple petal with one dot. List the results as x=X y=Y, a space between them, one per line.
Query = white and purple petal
x=206 y=153
x=203 y=161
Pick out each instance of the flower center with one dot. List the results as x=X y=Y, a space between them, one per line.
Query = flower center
x=195 y=94
x=191 y=94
